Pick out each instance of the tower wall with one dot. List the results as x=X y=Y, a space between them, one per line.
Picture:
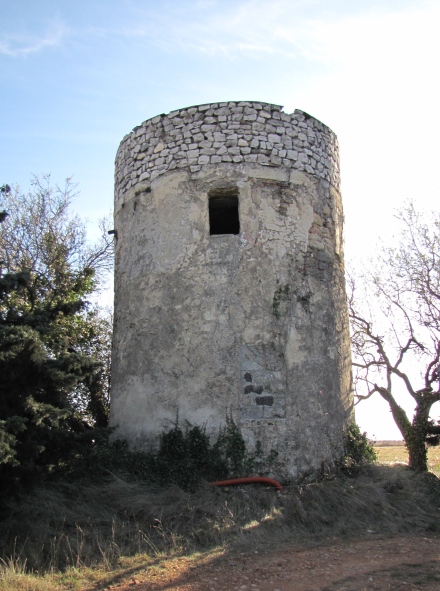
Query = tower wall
x=253 y=324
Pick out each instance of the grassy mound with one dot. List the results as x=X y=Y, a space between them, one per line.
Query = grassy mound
x=65 y=526
x=63 y=535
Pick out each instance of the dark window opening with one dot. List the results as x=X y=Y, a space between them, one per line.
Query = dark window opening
x=223 y=212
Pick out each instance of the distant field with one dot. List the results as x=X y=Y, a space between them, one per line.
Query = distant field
x=390 y=454
x=388 y=443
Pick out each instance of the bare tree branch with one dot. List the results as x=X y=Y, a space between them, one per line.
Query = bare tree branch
x=396 y=326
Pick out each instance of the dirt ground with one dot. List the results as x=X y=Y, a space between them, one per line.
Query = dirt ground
x=373 y=564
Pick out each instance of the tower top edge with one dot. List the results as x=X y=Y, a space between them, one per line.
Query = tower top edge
x=258 y=105
x=211 y=134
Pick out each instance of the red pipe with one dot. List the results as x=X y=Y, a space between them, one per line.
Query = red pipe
x=249 y=480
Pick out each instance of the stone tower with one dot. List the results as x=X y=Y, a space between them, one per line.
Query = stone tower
x=229 y=281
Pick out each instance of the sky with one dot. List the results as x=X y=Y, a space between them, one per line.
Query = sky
x=77 y=75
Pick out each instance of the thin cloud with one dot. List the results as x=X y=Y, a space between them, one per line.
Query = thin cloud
x=24 y=45
x=256 y=28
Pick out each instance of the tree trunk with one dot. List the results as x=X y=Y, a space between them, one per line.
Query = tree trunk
x=415 y=436
x=418 y=456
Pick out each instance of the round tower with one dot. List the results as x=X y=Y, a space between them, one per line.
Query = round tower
x=229 y=281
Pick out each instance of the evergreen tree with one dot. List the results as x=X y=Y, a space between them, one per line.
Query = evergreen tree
x=47 y=272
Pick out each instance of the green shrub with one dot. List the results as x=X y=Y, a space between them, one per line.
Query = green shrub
x=187 y=457
x=357 y=450
x=184 y=458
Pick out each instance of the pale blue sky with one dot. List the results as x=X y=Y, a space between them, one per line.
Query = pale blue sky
x=76 y=76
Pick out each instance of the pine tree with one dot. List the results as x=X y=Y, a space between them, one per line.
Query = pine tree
x=47 y=273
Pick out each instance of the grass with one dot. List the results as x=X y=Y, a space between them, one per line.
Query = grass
x=389 y=455
x=75 y=537
x=91 y=536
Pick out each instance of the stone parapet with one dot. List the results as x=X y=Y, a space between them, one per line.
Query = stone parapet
x=232 y=132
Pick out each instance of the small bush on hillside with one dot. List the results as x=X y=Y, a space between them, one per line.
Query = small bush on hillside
x=187 y=457
x=357 y=450
x=184 y=458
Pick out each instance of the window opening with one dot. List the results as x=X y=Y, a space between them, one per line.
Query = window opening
x=223 y=211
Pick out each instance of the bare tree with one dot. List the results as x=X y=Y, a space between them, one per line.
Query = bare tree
x=395 y=320
x=40 y=233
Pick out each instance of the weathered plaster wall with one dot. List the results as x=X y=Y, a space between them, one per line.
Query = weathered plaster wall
x=255 y=323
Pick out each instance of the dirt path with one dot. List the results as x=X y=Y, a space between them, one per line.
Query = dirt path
x=392 y=564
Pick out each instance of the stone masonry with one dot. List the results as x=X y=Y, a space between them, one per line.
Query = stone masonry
x=247 y=318
x=226 y=132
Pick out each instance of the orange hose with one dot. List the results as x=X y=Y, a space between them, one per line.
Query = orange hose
x=249 y=480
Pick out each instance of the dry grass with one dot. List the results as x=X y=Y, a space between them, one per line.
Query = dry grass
x=73 y=537
x=390 y=455
x=70 y=537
